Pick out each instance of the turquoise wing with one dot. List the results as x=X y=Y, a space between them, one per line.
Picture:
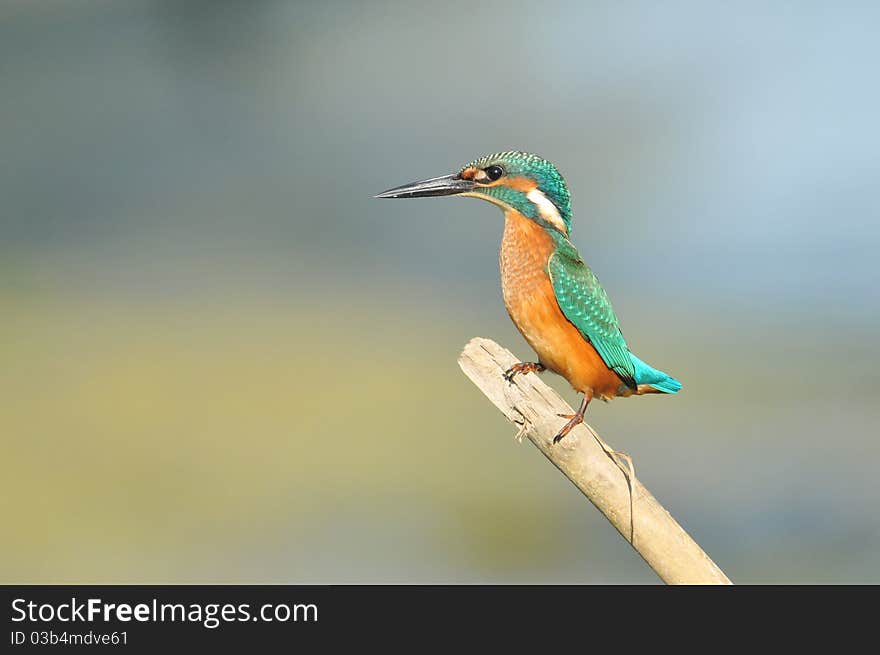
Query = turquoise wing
x=584 y=302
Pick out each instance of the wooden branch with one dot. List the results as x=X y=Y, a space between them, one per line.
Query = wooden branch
x=533 y=406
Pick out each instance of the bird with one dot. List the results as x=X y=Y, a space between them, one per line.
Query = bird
x=553 y=298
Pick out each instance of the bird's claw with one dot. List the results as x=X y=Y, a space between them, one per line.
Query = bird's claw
x=522 y=367
x=573 y=419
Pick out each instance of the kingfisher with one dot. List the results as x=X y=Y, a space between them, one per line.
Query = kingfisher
x=553 y=297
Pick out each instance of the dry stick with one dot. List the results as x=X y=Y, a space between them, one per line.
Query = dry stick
x=533 y=406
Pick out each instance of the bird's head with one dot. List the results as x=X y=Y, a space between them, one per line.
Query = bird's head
x=516 y=181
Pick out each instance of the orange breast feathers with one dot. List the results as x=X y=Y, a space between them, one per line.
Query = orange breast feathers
x=531 y=303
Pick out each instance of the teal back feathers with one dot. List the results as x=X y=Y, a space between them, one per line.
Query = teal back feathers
x=584 y=302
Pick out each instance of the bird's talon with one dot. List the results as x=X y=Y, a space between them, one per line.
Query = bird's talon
x=522 y=367
x=573 y=420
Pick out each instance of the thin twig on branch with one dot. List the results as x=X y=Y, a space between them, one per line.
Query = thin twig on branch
x=534 y=407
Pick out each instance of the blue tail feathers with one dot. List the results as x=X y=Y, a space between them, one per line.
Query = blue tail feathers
x=645 y=374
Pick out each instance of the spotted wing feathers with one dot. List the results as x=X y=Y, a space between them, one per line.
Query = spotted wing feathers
x=584 y=302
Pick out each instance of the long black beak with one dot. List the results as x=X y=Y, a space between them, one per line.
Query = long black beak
x=448 y=185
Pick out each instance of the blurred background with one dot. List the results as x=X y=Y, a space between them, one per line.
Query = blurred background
x=222 y=361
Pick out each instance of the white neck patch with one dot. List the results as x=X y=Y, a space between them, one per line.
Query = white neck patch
x=546 y=209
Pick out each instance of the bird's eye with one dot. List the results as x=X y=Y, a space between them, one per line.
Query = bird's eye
x=494 y=172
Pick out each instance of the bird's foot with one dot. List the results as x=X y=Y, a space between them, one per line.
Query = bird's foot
x=523 y=367
x=573 y=420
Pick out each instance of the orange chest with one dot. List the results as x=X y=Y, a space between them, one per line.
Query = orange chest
x=525 y=283
x=528 y=295
x=525 y=251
